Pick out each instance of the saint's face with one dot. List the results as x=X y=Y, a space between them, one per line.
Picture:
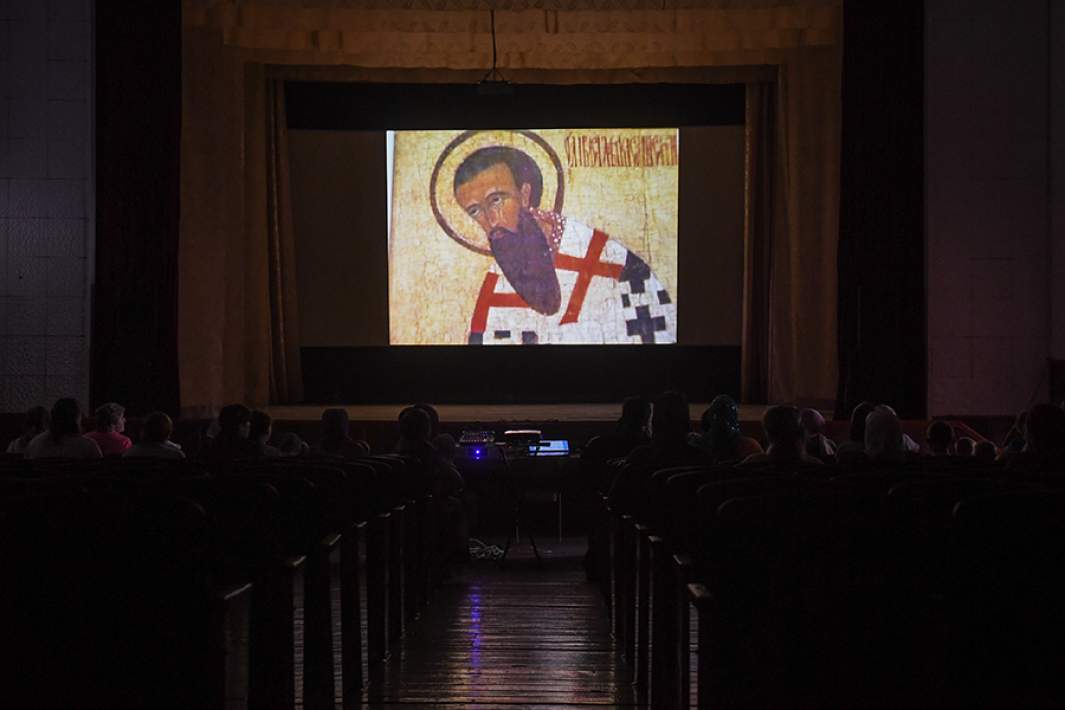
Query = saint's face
x=494 y=200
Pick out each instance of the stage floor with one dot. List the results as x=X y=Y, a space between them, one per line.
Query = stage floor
x=468 y=413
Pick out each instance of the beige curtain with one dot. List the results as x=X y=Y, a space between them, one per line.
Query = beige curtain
x=286 y=380
x=228 y=299
x=803 y=364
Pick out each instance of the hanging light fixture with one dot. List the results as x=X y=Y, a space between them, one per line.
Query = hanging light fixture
x=493 y=83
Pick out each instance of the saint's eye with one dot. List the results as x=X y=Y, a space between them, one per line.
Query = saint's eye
x=473 y=210
x=495 y=199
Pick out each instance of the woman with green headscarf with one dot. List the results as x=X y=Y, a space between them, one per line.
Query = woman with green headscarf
x=721 y=437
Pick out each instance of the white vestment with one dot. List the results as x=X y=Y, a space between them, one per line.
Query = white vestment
x=609 y=296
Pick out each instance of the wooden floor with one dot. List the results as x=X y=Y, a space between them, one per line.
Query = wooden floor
x=518 y=637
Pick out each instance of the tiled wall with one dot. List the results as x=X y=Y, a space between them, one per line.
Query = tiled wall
x=990 y=254
x=46 y=231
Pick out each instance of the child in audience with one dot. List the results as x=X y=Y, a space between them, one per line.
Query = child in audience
x=110 y=423
x=63 y=439
x=155 y=440
x=36 y=421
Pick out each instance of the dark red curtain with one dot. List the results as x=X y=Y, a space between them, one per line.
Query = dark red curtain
x=760 y=209
x=882 y=305
x=138 y=130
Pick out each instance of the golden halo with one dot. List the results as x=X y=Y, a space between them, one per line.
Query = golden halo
x=454 y=220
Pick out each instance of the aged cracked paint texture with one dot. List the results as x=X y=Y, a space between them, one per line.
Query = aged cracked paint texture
x=622 y=182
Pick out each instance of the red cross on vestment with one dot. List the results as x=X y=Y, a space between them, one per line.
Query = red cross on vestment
x=586 y=267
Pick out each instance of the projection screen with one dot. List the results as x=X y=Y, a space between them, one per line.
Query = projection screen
x=553 y=236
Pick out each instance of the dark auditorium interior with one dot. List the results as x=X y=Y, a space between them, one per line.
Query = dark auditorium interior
x=782 y=423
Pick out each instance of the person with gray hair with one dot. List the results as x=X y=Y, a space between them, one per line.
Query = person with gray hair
x=883 y=436
x=784 y=432
x=110 y=423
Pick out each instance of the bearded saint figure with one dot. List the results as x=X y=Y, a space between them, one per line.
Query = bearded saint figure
x=554 y=280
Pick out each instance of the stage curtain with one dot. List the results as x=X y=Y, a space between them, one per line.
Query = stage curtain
x=759 y=212
x=231 y=49
x=286 y=381
x=803 y=366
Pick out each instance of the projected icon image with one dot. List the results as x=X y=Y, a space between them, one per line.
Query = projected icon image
x=533 y=237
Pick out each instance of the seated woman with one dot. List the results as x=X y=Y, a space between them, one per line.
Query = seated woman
x=155 y=440
x=36 y=421
x=721 y=437
x=63 y=440
x=884 y=440
x=110 y=423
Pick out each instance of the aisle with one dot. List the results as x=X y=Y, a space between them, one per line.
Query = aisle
x=518 y=637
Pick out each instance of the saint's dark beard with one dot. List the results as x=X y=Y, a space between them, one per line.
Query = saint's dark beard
x=526 y=260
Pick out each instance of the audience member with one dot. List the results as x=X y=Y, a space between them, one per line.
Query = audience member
x=1014 y=441
x=444 y=480
x=670 y=426
x=442 y=441
x=336 y=437
x=787 y=440
x=110 y=423
x=940 y=438
x=964 y=446
x=908 y=444
x=630 y=432
x=231 y=443
x=415 y=427
x=36 y=421
x=1044 y=436
x=883 y=436
x=720 y=437
x=290 y=444
x=817 y=444
x=853 y=449
x=669 y=447
x=262 y=427
x=63 y=438
x=434 y=418
x=985 y=451
x=155 y=440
